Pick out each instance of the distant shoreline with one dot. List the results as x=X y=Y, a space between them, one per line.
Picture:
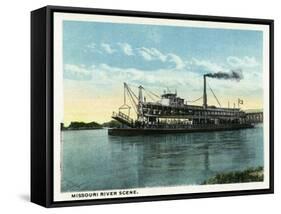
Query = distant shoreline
x=77 y=125
x=81 y=128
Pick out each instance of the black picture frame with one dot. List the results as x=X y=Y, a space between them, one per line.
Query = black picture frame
x=42 y=104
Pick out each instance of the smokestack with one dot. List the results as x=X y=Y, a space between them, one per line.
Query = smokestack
x=232 y=75
x=140 y=102
x=204 y=93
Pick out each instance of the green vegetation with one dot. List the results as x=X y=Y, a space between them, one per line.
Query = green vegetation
x=248 y=175
x=82 y=126
x=112 y=124
x=92 y=125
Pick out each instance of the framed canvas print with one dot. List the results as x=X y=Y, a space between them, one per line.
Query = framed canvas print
x=134 y=106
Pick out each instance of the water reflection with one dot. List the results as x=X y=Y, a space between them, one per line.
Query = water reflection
x=110 y=162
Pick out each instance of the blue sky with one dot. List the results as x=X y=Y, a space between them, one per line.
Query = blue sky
x=82 y=38
x=99 y=57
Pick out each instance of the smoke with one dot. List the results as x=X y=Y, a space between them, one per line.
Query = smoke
x=232 y=75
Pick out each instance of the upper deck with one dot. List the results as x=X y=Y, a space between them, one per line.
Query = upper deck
x=157 y=109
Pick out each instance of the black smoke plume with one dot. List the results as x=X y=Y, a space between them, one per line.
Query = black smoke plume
x=232 y=75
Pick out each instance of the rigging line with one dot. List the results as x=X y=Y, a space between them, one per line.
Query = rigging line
x=147 y=90
x=195 y=100
x=131 y=92
x=150 y=97
x=156 y=95
x=131 y=95
x=125 y=100
x=134 y=107
x=124 y=95
x=214 y=95
x=132 y=101
x=132 y=85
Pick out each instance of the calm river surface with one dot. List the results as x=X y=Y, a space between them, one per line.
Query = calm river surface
x=92 y=160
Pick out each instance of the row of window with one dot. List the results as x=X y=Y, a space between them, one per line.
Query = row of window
x=199 y=113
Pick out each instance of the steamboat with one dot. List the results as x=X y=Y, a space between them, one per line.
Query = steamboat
x=169 y=113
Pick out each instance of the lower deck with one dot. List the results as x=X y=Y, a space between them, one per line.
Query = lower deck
x=195 y=128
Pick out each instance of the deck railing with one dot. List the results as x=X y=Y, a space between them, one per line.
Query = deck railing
x=123 y=117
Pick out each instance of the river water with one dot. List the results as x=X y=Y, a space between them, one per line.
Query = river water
x=92 y=160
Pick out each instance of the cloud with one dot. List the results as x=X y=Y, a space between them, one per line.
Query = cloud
x=107 y=48
x=158 y=55
x=76 y=72
x=194 y=64
x=104 y=74
x=246 y=61
x=152 y=54
x=150 y=78
x=106 y=78
x=205 y=65
x=92 y=46
x=126 y=48
x=145 y=54
x=177 y=60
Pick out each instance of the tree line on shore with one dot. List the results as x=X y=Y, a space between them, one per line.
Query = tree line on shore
x=75 y=125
